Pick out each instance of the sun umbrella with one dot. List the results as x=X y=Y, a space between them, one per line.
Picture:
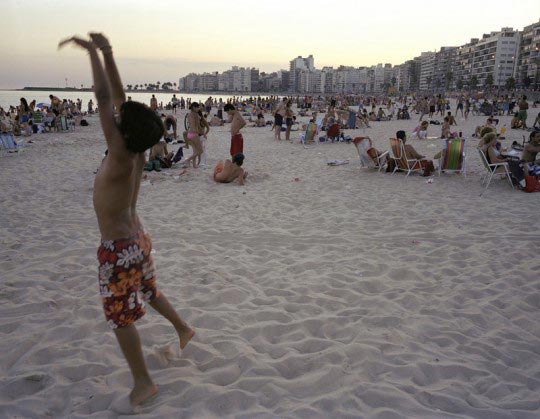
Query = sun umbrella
x=42 y=105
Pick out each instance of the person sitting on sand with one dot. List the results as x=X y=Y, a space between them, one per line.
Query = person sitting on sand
x=381 y=115
x=536 y=121
x=126 y=270
x=215 y=122
x=169 y=122
x=227 y=171
x=420 y=132
x=445 y=129
x=516 y=123
x=490 y=123
x=159 y=153
x=451 y=119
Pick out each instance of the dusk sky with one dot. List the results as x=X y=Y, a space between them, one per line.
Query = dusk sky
x=163 y=40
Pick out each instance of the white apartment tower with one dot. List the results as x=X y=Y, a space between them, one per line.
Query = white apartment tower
x=496 y=55
x=296 y=66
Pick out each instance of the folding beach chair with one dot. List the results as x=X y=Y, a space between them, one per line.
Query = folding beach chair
x=8 y=143
x=37 y=118
x=367 y=154
x=400 y=158
x=61 y=123
x=491 y=170
x=309 y=136
x=453 y=156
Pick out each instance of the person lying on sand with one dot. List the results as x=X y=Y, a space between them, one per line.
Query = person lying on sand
x=226 y=171
x=126 y=270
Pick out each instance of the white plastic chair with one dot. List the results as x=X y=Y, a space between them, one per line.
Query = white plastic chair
x=491 y=170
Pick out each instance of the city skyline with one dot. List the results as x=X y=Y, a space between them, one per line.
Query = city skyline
x=167 y=40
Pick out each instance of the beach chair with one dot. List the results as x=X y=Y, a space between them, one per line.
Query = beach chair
x=61 y=123
x=453 y=156
x=309 y=136
x=368 y=156
x=400 y=158
x=37 y=118
x=491 y=170
x=8 y=143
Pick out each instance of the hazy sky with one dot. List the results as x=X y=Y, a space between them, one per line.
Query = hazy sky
x=162 y=40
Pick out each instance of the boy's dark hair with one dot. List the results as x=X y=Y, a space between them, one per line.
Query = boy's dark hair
x=228 y=107
x=140 y=126
x=238 y=159
x=193 y=105
x=400 y=134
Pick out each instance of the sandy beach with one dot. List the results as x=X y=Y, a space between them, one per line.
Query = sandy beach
x=315 y=291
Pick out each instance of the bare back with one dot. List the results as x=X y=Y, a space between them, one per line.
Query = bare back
x=116 y=189
x=229 y=172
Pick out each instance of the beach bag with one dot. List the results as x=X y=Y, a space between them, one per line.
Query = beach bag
x=165 y=162
x=84 y=123
x=532 y=184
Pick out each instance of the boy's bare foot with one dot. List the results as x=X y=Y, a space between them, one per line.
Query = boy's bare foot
x=185 y=335
x=142 y=392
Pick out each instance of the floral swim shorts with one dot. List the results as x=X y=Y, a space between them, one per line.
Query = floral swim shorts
x=126 y=278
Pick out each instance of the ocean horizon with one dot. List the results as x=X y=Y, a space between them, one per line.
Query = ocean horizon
x=12 y=97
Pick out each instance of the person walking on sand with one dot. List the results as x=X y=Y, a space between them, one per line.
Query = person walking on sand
x=237 y=123
x=194 y=123
x=126 y=270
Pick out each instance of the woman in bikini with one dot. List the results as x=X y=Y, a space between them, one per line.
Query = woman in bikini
x=194 y=124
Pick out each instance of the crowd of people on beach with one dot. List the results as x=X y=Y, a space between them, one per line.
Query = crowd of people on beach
x=138 y=137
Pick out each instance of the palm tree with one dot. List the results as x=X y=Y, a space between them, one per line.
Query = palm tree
x=428 y=81
x=489 y=81
x=449 y=77
x=510 y=83
x=473 y=82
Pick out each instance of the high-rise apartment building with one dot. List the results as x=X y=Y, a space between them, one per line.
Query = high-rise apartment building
x=529 y=56
x=296 y=66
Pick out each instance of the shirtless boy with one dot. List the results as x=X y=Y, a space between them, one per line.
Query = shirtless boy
x=237 y=141
x=227 y=171
x=126 y=270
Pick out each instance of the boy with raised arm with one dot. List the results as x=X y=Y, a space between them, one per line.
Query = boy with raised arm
x=126 y=270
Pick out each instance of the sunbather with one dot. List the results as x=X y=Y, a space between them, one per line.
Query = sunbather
x=226 y=171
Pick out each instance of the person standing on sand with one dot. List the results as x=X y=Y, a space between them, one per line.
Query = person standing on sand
x=126 y=271
x=153 y=103
x=194 y=123
x=237 y=123
x=278 y=120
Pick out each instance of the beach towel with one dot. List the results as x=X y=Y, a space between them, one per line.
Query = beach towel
x=337 y=162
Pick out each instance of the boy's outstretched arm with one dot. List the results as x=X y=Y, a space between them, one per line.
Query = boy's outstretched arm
x=102 y=92
x=117 y=90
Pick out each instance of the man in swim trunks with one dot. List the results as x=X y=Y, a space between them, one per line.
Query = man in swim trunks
x=227 y=171
x=237 y=141
x=126 y=270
